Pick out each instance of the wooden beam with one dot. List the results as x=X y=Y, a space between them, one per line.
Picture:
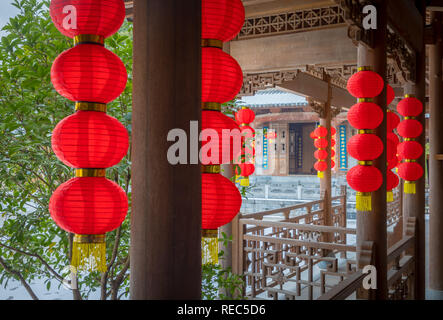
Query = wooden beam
x=400 y=12
x=435 y=5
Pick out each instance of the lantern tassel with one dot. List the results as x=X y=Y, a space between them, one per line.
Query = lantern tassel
x=410 y=187
x=209 y=245
x=364 y=201
x=320 y=174
x=244 y=182
x=390 y=196
x=89 y=255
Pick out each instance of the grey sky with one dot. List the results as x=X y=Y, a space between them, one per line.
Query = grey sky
x=7 y=10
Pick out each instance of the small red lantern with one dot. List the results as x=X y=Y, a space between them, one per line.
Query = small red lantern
x=365 y=147
x=365 y=115
x=393 y=137
x=245 y=116
x=222 y=19
x=90 y=73
x=410 y=128
x=332 y=153
x=410 y=172
x=321 y=154
x=392 y=163
x=333 y=142
x=410 y=107
x=89 y=207
x=320 y=166
x=219 y=122
x=409 y=150
x=87 y=17
x=332 y=164
x=90 y=140
x=392 y=121
x=321 y=132
x=222 y=77
x=312 y=135
x=333 y=131
x=321 y=143
x=392 y=182
x=364 y=179
x=245 y=169
x=365 y=84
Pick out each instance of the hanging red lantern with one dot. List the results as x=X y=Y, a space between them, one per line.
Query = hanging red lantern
x=321 y=154
x=245 y=116
x=312 y=135
x=365 y=147
x=90 y=140
x=393 y=137
x=392 y=182
x=222 y=77
x=332 y=164
x=409 y=150
x=392 y=121
x=321 y=132
x=365 y=115
x=245 y=169
x=365 y=84
x=87 y=17
x=333 y=131
x=89 y=72
x=391 y=149
x=332 y=153
x=333 y=143
x=410 y=128
x=392 y=163
x=225 y=152
x=222 y=19
x=89 y=207
x=364 y=179
x=410 y=172
x=321 y=143
x=410 y=107
x=390 y=95
x=321 y=166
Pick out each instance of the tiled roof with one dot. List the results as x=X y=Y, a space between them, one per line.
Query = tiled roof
x=273 y=98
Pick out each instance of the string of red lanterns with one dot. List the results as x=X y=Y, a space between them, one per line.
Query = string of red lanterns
x=365 y=116
x=392 y=141
x=246 y=167
x=222 y=79
x=89 y=141
x=410 y=150
x=321 y=143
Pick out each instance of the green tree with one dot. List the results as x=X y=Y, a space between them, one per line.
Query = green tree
x=31 y=245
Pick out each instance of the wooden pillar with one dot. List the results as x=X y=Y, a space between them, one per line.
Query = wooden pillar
x=371 y=226
x=325 y=183
x=436 y=166
x=166 y=199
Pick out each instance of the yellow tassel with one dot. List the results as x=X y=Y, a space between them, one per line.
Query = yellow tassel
x=244 y=182
x=390 y=196
x=364 y=201
x=209 y=250
x=409 y=187
x=320 y=174
x=89 y=256
x=237 y=179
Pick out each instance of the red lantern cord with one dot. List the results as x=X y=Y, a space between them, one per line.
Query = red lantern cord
x=91 y=17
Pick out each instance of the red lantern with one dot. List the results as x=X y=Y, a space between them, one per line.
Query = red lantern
x=410 y=107
x=321 y=132
x=221 y=201
x=365 y=115
x=410 y=128
x=245 y=116
x=364 y=179
x=90 y=140
x=222 y=19
x=312 y=135
x=392 y=182
x=320 y=166
x=87 y=17
x=410 y=172
x=219 y=122
x=222 y=77
x=365 y=147
x=332 y=153
x=393 y=137
x=321 y=154
x=392 y=163
x=390 y=95
x=392 y=121
x=365 y=84
x=409 y=150
x=89 y=72
x=333 y=131
x=321 y=143
x=245 y=169
x=333 y=142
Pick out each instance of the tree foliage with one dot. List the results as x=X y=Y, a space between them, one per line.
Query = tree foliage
x=31 y=245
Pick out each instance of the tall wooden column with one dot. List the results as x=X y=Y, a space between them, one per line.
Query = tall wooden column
x=166 y=199
x=371 y=226
x=436 y=166
x=414 y=204
x=325 y=183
